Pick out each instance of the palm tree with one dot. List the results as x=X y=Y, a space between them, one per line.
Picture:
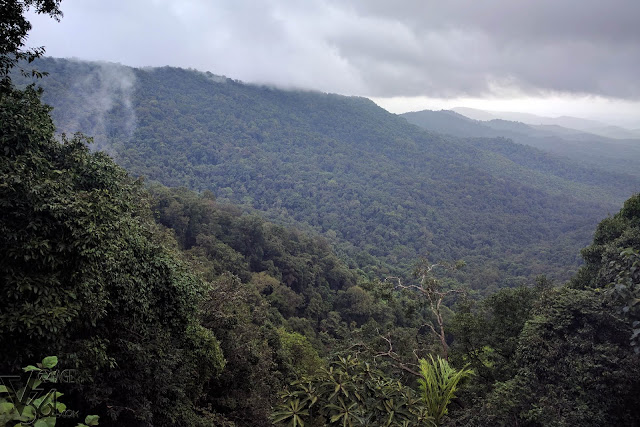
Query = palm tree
x=438 y=384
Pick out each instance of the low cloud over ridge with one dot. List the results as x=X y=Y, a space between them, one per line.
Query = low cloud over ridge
x=370 y=47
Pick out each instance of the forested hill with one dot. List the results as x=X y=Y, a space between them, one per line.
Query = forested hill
x=382 y=190
x=595 y=151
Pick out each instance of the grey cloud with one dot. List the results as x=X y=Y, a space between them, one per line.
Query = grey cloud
x=613 y=20
x=370 y=47
x=580 y=47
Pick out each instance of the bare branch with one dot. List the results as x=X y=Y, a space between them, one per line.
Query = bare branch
x=393 y=356
x=429 y=288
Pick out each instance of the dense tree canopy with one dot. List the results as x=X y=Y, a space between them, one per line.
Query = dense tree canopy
x=595 y=153
x=87 y=274
x=573 y=367
x=177 y=308
x=381 y=190
x=559 y=356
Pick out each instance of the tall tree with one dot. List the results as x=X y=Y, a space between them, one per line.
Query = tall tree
x=14 y=28
x=85 y=271
x=573 y=367
x=87 y=274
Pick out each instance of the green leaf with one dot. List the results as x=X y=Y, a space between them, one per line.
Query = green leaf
x=46 y=422
x=31 y=368
x=91 y=420
x=28 y=413
x=6 y=407
x=3 y=389
x=281 y=416
x=50 y=361
x=336 y=418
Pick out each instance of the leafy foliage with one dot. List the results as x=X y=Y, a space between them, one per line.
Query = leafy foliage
x=246 y=244
x=22 y=402
x=487 y=333
x=626 y=289
x=612 y=261
x=557 y=356
x=438 y=385
x=573 y=367
x=13 y=34
x=381 y=190
x=603 y=258
x=88 y=275
x=350 y=392
x=288 y=300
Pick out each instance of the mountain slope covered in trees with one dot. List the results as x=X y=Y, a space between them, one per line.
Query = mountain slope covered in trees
x=177 y=309
x=166 y=307
x=383 y=191
x=593 y=151
x=171 y=308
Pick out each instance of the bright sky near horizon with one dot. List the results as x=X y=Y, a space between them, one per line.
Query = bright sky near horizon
x=547 y=57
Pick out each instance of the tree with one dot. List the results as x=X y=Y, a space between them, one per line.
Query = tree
x=431 y=289
x=88 y=275
x=487 y=333
x=604 y=258
x=438 y=384
x=573 y=367
x=626 y=290
x=612 y=262
x=350 y=392
x=13 y=33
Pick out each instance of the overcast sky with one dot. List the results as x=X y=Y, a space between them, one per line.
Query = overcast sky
x=550 y=57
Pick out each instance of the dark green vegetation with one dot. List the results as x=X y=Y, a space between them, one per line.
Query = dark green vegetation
x=19 y=407
x=15 y=27
x=560 y=356
x=353 y=392
x=174 y=309
x=382 y=191
x=179 y=309
x=87 y=274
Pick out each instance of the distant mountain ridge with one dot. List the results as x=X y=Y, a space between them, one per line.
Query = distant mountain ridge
x=621 y=155
x=580 y=124
x=383 y=191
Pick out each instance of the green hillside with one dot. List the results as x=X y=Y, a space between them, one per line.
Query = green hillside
x=382 y=190
x=170 y=307
x=156 y=296
x=251 y=299
x=597 y=153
